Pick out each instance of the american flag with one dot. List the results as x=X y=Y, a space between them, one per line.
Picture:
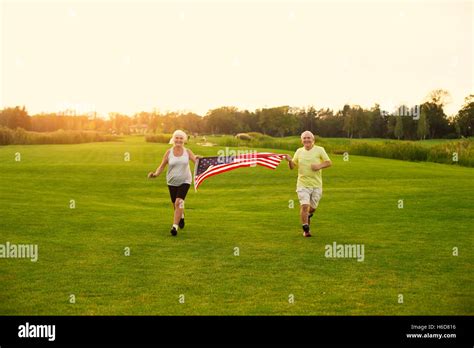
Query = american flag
x=210 y=166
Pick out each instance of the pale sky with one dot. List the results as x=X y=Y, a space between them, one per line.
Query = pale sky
x=131 y=56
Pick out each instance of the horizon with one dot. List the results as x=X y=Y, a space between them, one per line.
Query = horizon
x=157 y=112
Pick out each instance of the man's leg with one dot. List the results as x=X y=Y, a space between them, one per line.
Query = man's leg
x=304 y=196
x=305 y=220
x=314 y=202
x=304 y=211
x=310 y=213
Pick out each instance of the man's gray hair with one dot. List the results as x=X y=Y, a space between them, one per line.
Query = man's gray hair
x=307 y=133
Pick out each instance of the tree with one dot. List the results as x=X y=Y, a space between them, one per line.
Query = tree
x=437 y=119
x=465 y=117
x=377 y=123
x=348 y=120
x=329 y=125
x=307 y=118
x=398 y=131
x=278 y=121
x=15 y=118
x=222 y=120
x=361 y=121
x=120 y=123
x=191 y=122
x=423 y=128
x=439 y=97
x=356 y=121
x=409 y=125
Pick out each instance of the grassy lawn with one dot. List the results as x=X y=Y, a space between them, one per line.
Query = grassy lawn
x=81 y=251
x=444 y=151
x=335 y=141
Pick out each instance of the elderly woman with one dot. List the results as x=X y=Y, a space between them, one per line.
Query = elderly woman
x=178 y=176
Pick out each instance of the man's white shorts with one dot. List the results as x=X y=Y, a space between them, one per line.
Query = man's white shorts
x=310 y=195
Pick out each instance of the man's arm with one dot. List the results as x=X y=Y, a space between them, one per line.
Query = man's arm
x=322 y=165
x=291 y=164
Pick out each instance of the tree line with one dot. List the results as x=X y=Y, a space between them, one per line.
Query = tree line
x=351 y=121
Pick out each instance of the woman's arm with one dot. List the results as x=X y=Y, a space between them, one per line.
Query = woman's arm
x=192 y=156
x=161 y=167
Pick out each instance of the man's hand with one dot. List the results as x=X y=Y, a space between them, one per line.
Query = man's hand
x=291 y=164
x=318 y=166
x=151 y=175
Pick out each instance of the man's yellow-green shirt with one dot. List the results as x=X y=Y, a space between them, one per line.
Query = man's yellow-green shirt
x=304 y=159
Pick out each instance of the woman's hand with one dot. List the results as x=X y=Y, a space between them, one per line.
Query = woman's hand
x=152 y=175
x=198 y=157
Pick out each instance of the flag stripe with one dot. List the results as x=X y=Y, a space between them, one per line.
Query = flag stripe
x=265 y=159
x=212 y=173
x=227 y=167
x=220 y=169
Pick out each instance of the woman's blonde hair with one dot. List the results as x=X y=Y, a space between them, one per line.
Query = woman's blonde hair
x=179 y=133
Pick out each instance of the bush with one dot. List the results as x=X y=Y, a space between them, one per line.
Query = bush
x=229 y=142
x=392 y=149
x=21 y=137
x=273 y=143
x=451 y=136
x=6 y=136
x=445 y=153
x=158 y=138
x=257 y=135
x=243 y=136
x=408 y=151
x=402 y=151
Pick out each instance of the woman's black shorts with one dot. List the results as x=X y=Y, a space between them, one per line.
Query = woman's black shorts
x=178 y=191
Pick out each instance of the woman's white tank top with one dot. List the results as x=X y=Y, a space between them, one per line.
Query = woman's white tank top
x=179 y=171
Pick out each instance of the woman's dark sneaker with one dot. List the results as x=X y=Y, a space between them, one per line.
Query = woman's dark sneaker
x=174 y=231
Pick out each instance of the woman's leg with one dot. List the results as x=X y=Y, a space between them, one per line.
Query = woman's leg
x=179 y=205
x=178 y=210
x=178 y=194
x=173 y=193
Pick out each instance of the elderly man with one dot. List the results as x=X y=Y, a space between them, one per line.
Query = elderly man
x=309 y=159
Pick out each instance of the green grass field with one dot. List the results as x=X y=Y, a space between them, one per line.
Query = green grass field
x=408 y=251
x=334 y=141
